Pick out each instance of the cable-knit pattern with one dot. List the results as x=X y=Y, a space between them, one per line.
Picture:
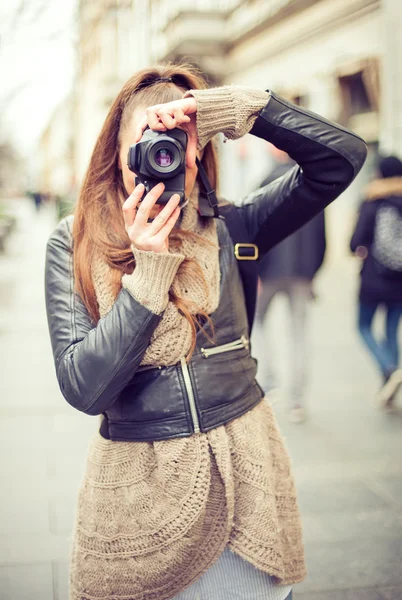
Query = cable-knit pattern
x=153 y=517
x=149 y=521
x=152 y=277
x=266 y=529
x=230 y=109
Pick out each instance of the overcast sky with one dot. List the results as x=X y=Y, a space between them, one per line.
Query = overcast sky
x=37 y=64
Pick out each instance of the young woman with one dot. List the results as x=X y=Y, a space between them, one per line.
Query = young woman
x=188 y=491
x=378 y=240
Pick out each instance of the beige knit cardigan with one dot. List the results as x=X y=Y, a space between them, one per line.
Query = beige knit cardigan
x=152 y=517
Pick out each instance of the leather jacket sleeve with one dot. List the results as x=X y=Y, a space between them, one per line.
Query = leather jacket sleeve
x=328 y=158
x=93 y=362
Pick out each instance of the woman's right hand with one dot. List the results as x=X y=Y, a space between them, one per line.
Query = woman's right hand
x=178 y=113
x=152 y=236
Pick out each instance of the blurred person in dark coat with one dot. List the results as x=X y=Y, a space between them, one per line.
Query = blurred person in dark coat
x=37 y=199
x=377 y=239
x=289 y=269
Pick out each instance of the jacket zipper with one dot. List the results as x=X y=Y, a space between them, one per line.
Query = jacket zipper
x=190 y=394
x=148 y=368
x=243 y=342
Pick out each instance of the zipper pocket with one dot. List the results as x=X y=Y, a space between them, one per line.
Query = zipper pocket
x=239 y=344
x=190 y=395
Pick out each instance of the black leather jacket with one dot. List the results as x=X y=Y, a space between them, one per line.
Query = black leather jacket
x=98 y=366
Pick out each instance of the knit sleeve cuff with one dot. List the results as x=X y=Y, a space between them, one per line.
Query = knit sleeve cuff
x=152 y=277
x=231 y=110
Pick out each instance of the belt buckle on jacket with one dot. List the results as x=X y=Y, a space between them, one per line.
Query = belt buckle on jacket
x=247 y=255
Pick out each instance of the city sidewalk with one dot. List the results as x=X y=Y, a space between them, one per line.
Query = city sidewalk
x=347 y=458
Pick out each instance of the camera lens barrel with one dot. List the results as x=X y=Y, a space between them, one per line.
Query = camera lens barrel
x=164 y=157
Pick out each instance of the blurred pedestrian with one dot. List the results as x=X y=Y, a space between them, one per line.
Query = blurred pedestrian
x=377 y=240
x=289 y=269
x=188 y=491
x=37 y=199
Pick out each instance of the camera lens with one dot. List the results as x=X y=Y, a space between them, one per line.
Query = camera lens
x=164 y=157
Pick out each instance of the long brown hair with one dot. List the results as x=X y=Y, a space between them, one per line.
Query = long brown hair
x=98 y=223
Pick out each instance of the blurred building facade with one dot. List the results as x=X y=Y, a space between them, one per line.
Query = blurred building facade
x=105 y=45
x=56 y=169
x=325 y=55
x=339 y=59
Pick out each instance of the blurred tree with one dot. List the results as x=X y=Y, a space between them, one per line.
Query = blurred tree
x=24 y=12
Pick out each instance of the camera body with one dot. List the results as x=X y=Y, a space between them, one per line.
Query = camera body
x=160 y=156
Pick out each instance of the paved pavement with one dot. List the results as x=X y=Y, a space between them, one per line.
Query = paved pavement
x=347 y=457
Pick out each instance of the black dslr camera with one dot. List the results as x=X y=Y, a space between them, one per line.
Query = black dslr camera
x=160 y=156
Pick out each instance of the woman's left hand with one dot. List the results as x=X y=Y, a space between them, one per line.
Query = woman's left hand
x=179 y=113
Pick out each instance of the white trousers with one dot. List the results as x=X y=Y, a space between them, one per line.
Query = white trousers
x=299 y=295
x=232 y=578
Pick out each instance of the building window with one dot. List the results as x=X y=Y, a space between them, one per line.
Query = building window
x=355 y=94
x=359 y=87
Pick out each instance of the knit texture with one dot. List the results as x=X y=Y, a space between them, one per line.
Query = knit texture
x=153 y=517
x=231 y=110
x=152 y=277
x=171 y=339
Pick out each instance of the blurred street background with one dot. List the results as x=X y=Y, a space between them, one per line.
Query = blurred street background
x=62 y=63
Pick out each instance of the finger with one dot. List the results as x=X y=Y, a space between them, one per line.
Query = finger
x=173 y=117
x=153 y=119
x=165 y=214
x=147 y=204
x=163 y=233
x=189 y=105
x=142 y=125
x=159 y=127
x=130 y=205
x=168 y=121
x=180 y=117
